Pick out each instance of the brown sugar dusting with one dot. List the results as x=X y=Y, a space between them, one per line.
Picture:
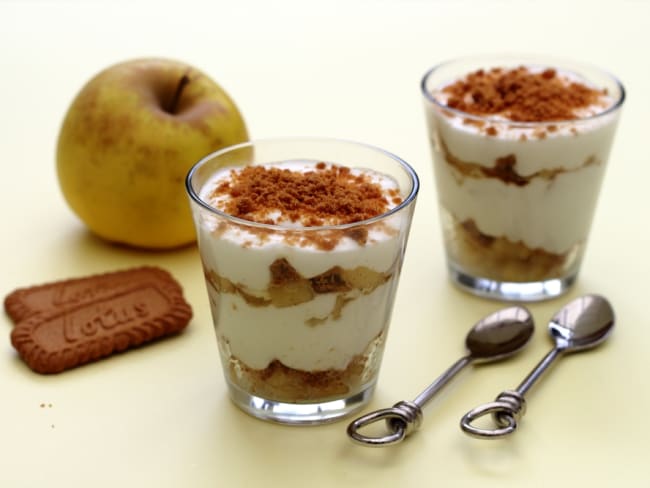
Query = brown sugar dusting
x=521 y=95
x=327 y=195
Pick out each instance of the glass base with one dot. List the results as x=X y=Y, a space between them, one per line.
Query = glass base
x=512 y=291
x=299 y=413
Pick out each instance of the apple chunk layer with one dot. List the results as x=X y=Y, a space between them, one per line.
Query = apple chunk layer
x=127 y=142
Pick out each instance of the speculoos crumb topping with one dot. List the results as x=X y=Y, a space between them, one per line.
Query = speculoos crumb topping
x=328 y=195
x=521 y=95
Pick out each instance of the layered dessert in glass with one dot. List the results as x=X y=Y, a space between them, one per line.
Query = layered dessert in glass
x=301 y=243
x=520 y=148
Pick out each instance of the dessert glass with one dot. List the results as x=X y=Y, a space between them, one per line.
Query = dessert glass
x=516 y=199
x=301 y=313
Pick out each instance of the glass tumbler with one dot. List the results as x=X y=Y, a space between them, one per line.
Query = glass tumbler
x=517 y=196
x=301 y=312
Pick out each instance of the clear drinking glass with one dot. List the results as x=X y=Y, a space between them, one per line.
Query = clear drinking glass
x=301 y=314
x=516 y=199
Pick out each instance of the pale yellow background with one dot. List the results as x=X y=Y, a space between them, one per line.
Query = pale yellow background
x=159 y=416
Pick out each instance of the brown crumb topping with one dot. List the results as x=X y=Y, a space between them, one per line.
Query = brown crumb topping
x=328 y=195
x=521 y=95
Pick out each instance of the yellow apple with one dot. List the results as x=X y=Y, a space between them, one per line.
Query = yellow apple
x=129 y=138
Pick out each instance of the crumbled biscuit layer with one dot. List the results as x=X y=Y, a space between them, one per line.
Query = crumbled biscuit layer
x=281 y=383
x=500 y=259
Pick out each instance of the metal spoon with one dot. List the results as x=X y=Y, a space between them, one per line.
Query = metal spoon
x=497 y=336
x=581 y=324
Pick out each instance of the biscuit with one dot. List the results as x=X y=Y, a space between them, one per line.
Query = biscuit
x=69 y=293
x=68 y=323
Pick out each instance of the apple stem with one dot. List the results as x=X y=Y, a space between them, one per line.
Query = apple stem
x=173 y=104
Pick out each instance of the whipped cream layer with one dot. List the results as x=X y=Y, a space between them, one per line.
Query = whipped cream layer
x=308 y=336
x=556 y=171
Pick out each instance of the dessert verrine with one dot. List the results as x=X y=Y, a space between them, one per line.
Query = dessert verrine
x=301 y=259
x=519 y=153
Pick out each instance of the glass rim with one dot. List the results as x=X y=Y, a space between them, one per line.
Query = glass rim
x=410 y=198
x=535 y=60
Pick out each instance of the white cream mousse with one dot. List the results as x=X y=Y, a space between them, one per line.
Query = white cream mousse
x=284 y=284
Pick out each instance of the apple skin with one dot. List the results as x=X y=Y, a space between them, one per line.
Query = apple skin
x=123 y=151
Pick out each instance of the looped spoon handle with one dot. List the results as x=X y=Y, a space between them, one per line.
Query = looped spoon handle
x=509 y=406
x=506 y=411
x=402 y=419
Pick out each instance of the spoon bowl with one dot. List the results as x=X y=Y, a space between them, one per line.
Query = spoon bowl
x=500 y=334
x=582 y=324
